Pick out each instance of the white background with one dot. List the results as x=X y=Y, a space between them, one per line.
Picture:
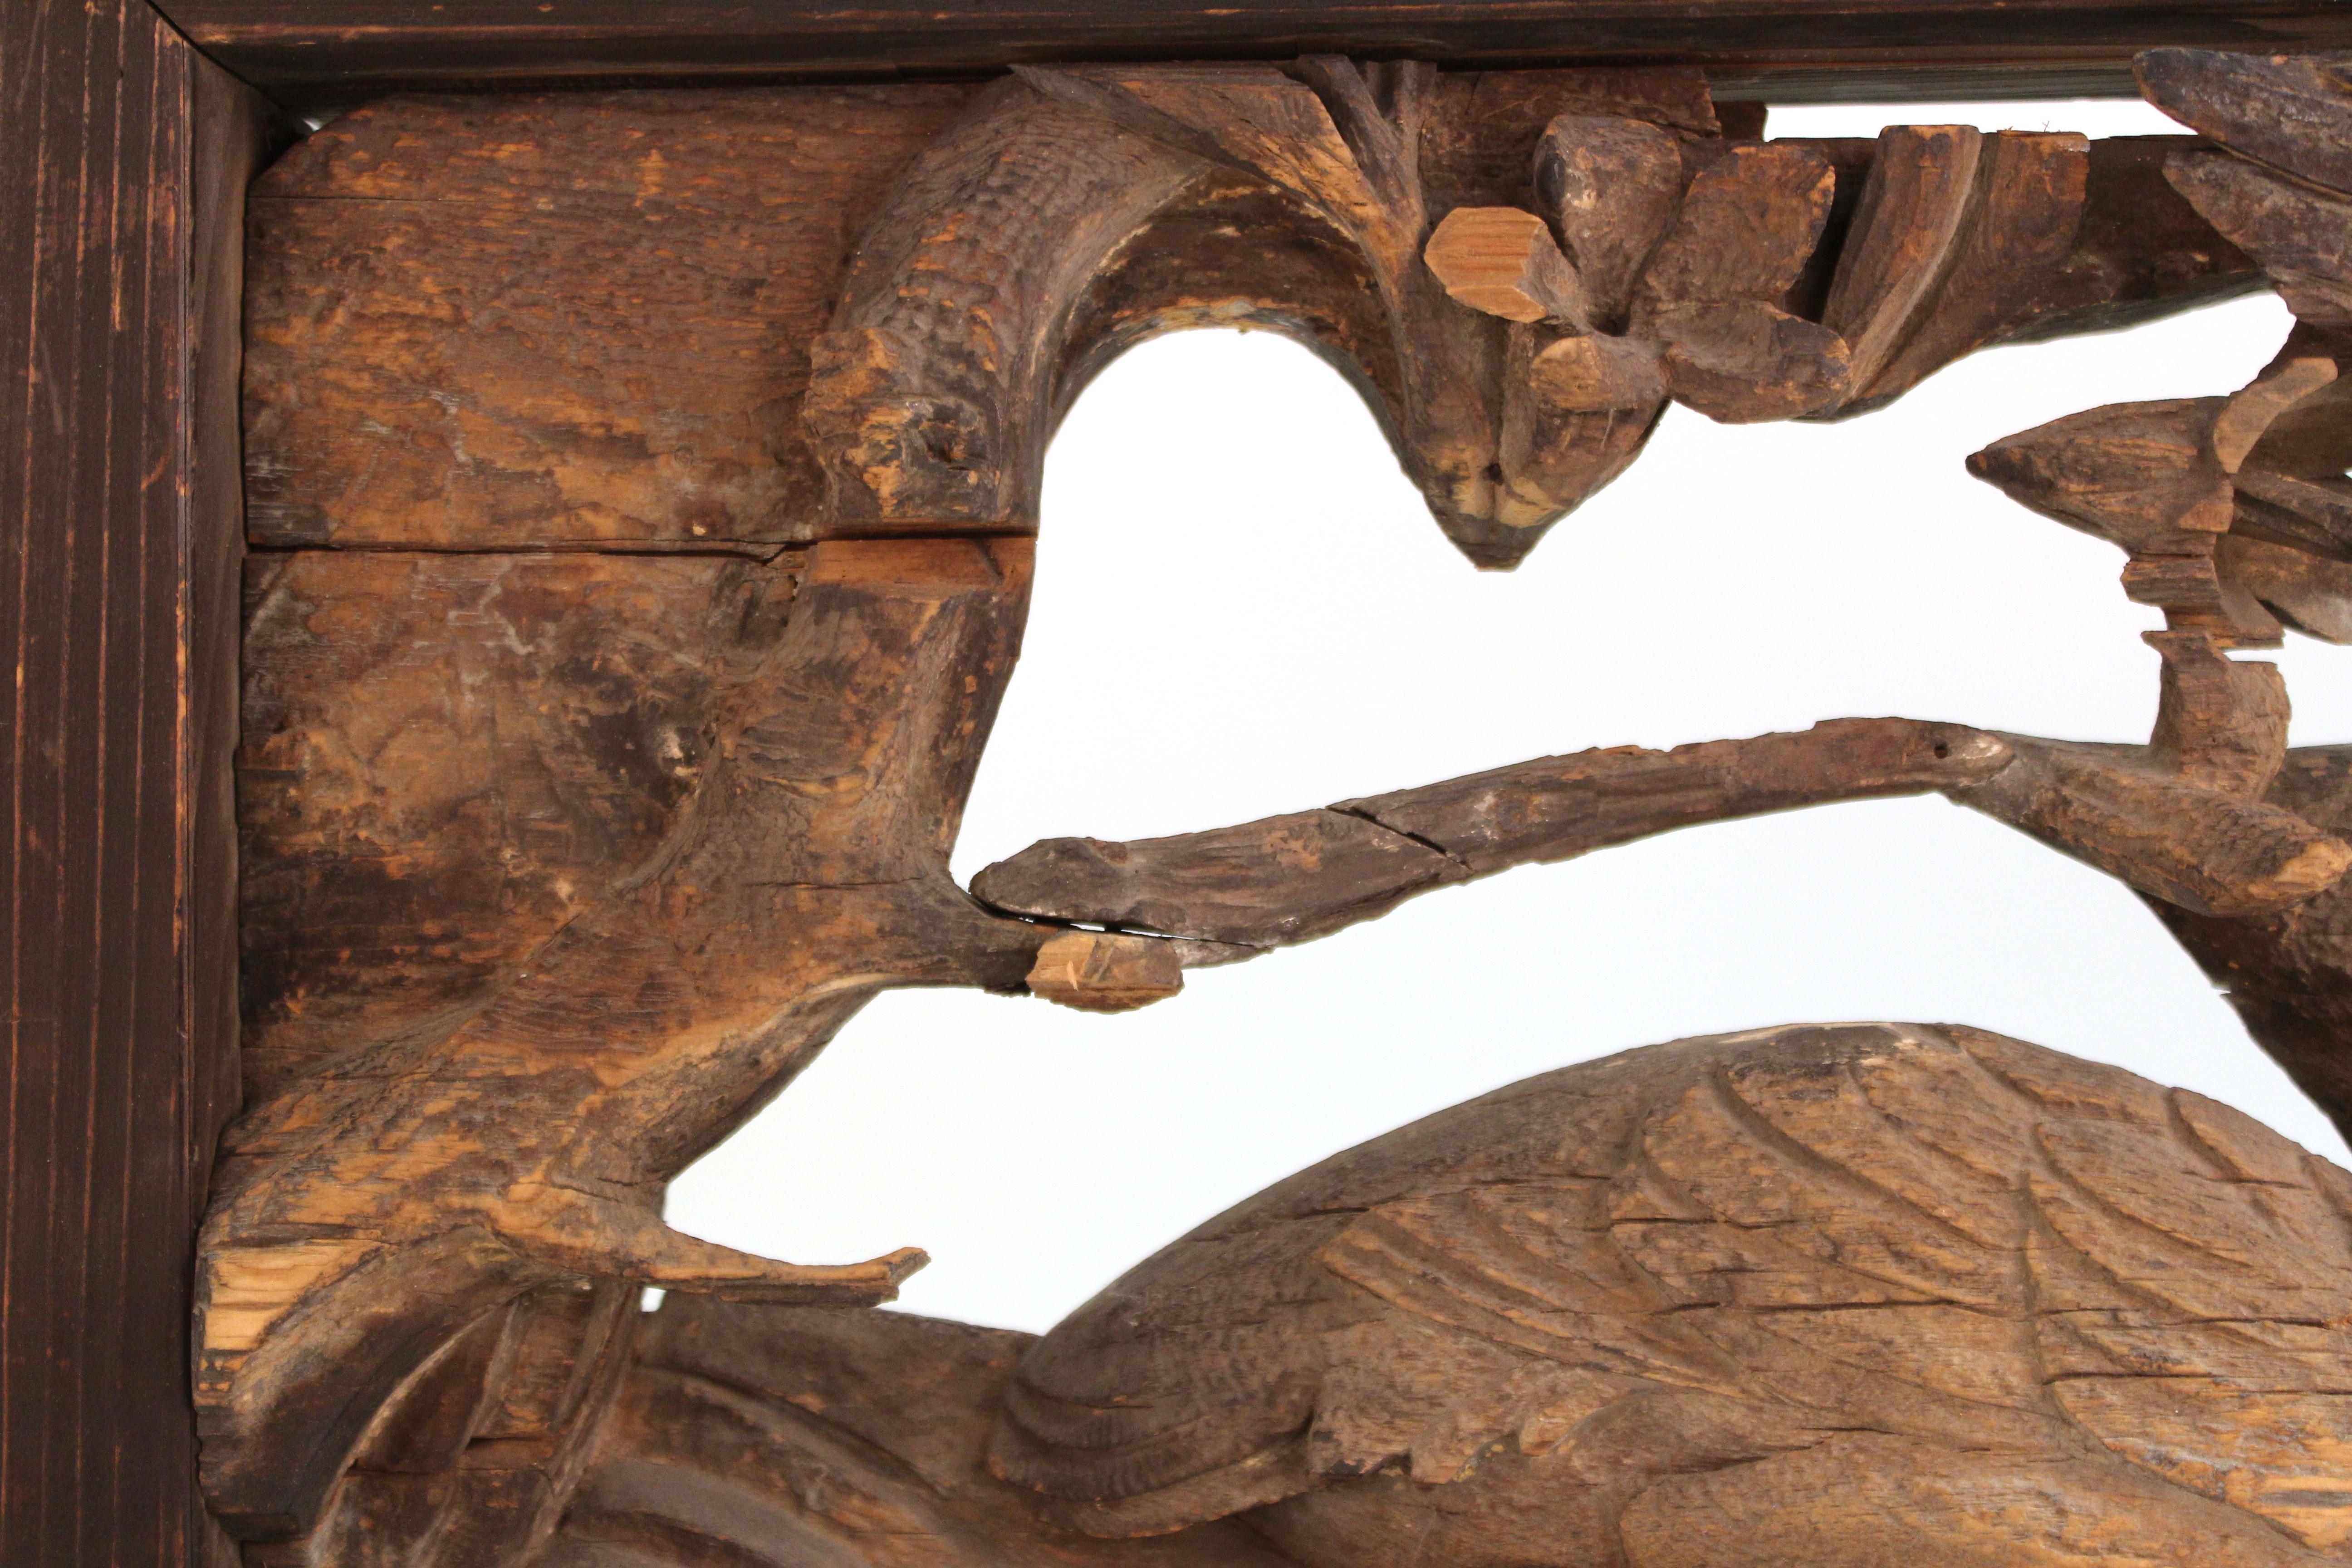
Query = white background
x=1242 y=608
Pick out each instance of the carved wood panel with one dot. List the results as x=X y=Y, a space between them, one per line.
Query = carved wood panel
x=641 y=488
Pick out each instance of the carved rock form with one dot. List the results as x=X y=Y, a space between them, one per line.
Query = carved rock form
x=1713 y=289
x=1957 y=234
x=1086 y=181
x=1818 y=1296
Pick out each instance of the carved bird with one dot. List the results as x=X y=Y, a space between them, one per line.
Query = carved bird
x=1820 y=1296
x=1844 y=1296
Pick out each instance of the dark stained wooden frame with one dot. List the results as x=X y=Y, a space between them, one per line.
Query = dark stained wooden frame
x=1784 y=49
x=128 y=148
x=120 y=264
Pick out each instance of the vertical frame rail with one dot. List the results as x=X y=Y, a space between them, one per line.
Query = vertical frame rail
x=121 y=212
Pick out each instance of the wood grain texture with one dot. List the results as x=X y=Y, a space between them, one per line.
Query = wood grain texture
x=119 y=278
x=776 y=1437
x=647 y=563
x=1104 y=972
x=553 y=322
x=2140 y=251
x=2125 y=812
x=2289 y=972
x=2023 y=212
x=2289 y=111
x=1711 y=295
x=448 y=758
x=2227 y=507
x=1610 y=187
x=932 y=396
x=1504 y=261
x=1292 y=878
x=2298 y=234
x=1861 y=1291
x=561 y=320
x=2231 y=509
x=395 y=1192
x=463 y=309
x=2181 y=819
x=2281 y=187
x=312 y=48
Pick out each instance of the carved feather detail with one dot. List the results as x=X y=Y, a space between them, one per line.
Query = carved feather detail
x=1941 y=1236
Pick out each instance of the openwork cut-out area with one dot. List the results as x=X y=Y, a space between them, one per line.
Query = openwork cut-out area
x=643 y=486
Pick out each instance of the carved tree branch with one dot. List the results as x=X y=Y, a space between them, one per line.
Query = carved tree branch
x=1285 y=879
x=1288 y=879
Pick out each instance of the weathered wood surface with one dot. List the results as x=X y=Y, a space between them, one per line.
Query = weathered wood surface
x=2230 y=510
x=2141 y=246
x=771 y=1437
x=1292 y=878
x=1867 y=50
x=562 y=321
x=1959 y=234
x=2181 y=819
x=427 y=1176
x=1610 y=187
x=1104 y=972
x=1505 y=261
x=127 y=156
x=728 y=320
x=573 y=832
x=2288 y=971
x=2289 y=111
x=2227 y=507
x=1867 y=1293
x=449 y=758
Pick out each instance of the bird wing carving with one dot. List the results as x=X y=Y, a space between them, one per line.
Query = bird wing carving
x=2192 y=1273
x=1726 y=1249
